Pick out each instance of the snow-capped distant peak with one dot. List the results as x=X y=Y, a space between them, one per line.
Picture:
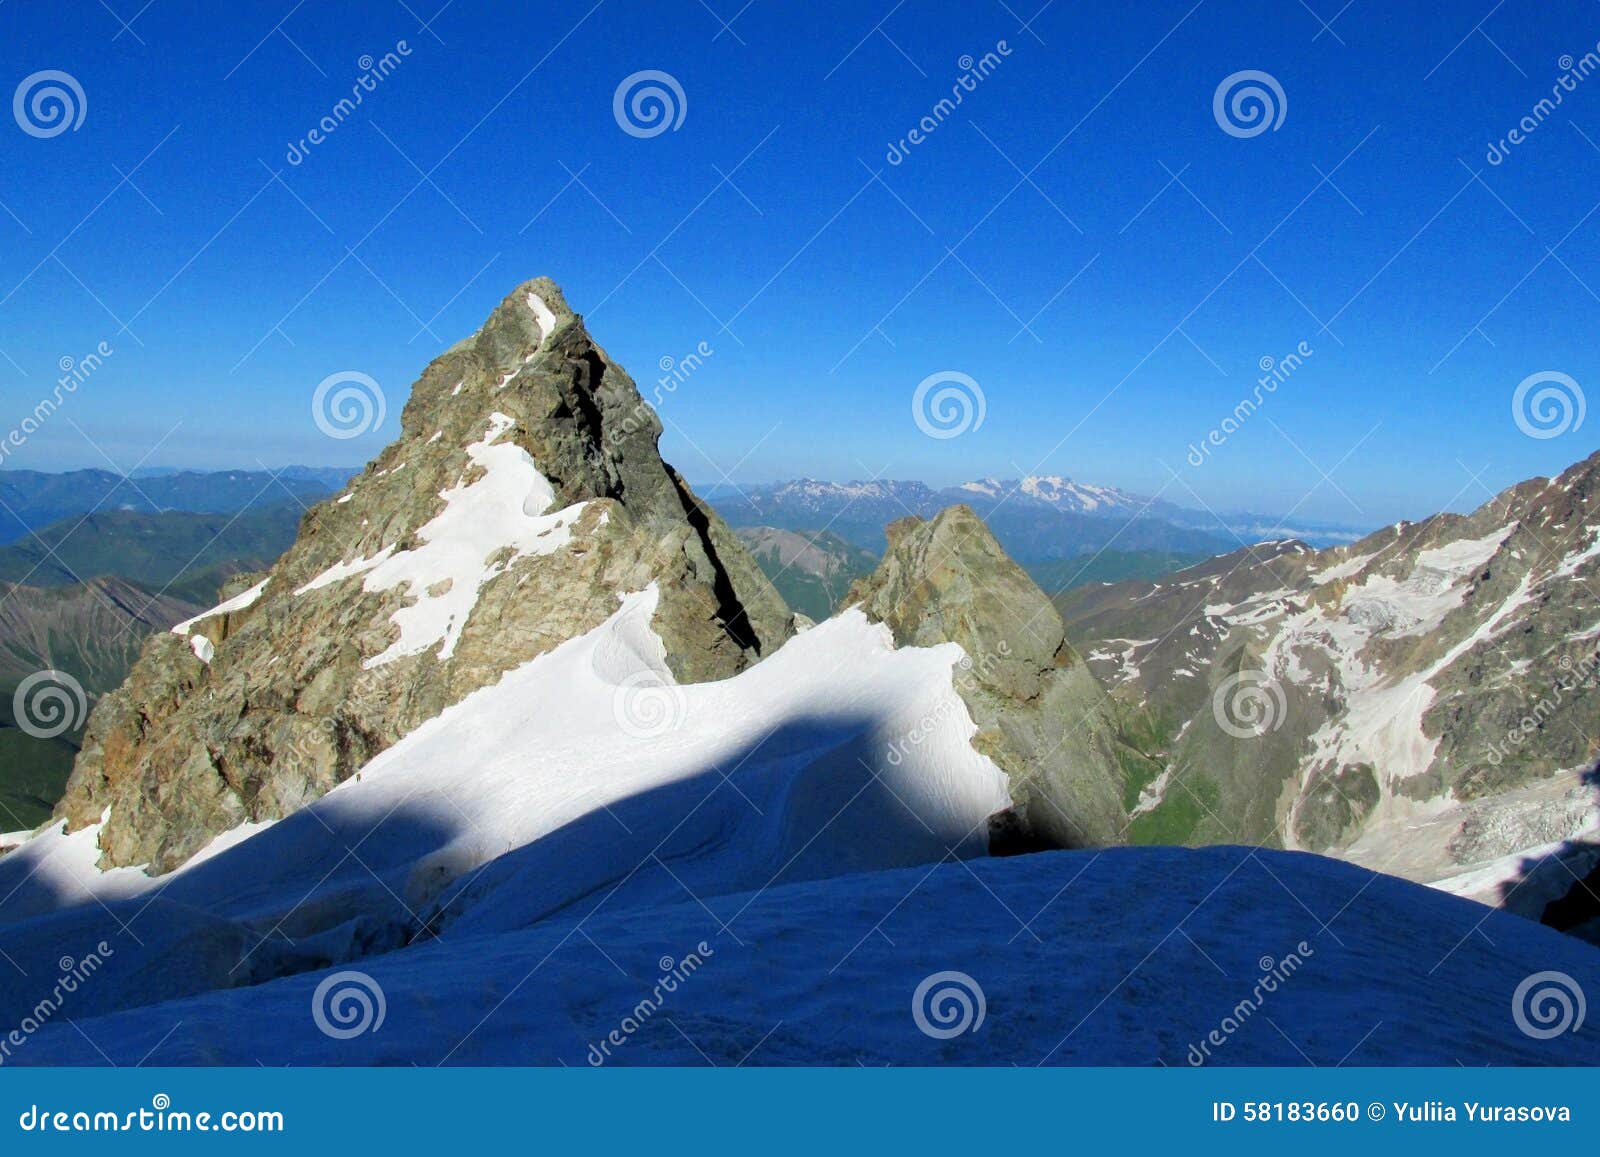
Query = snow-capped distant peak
x=1061 y=491
x=1058 y=491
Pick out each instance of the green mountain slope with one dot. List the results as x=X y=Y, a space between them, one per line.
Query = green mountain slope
x=149 y=548
x=812 y=570
x=91 y=633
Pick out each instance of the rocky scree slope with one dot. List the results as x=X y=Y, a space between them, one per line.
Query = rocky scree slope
x=524 y=494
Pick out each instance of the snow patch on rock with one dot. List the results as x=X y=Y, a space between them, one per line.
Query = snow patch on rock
x=502 y=511
x=238 y=603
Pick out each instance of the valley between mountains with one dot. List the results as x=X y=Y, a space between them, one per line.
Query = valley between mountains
x=512 y=725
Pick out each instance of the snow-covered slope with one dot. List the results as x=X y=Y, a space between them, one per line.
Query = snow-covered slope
x=586 y=774
x=1133 y=956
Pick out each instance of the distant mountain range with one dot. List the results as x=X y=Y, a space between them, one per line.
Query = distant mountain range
x=31 y=499
x=1089 y=518
x=175 y=547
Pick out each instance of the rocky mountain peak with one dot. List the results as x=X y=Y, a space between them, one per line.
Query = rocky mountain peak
x=1040 y=714
x=947 y=579
x=524 y=496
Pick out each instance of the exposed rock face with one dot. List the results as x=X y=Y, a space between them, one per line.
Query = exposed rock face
x=1040 y=713
x=524 y=495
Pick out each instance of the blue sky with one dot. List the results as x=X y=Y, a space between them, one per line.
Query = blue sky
x=1112 y=307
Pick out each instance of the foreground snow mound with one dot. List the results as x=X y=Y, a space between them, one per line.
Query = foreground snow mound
x=1130 y=956
x=585 y=777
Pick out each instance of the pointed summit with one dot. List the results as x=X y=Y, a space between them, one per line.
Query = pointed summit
x=1041 y=715
x=523 y=497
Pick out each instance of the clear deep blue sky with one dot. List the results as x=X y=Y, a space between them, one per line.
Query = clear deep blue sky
x=227 y=294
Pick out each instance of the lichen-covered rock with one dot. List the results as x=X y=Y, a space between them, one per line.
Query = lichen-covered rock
x=524 y=495
x=1040 y=713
